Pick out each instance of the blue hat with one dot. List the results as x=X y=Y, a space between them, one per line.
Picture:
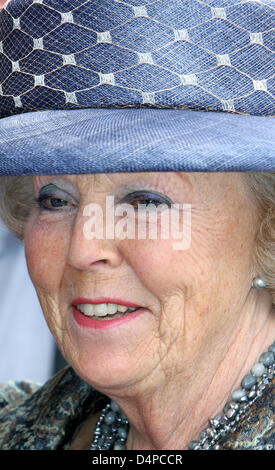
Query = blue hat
x=136 y=85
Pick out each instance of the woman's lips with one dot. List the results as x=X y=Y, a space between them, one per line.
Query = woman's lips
x=104 y=324
x=108 y=321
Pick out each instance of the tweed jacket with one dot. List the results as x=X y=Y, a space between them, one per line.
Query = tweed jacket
x=48 y=417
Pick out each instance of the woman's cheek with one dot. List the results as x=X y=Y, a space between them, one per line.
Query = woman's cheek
x=45 y=254
x=153 y=261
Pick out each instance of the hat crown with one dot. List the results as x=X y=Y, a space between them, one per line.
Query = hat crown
x=208 y=55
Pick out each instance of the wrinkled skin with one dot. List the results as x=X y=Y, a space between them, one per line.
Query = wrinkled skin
x=174 y=365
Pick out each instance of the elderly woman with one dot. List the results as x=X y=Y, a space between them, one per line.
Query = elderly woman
x=154 y=270
x=167 y=334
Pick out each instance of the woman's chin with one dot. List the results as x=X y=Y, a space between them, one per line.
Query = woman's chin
x=106 y=375
x=108 y=357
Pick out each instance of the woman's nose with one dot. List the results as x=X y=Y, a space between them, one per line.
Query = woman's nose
x=89 y=254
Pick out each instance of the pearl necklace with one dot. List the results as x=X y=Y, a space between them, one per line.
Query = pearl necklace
x=112 y=427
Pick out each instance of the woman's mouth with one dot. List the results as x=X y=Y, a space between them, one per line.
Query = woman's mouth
x=105 y=311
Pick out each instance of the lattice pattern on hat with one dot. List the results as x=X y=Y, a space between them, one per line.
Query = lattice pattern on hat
x=199 y=54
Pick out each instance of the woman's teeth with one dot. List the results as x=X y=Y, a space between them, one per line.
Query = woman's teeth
x=102 y=310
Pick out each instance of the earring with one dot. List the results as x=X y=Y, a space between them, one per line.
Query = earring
x=258 y=283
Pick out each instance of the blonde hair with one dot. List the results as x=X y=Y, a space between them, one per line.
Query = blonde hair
x=17 y=200
x=263 y=187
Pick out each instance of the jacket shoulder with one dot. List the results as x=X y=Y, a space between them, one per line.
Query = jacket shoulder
x=16 y=392
x=34 y=417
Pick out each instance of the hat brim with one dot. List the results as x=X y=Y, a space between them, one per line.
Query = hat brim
x=105 y=140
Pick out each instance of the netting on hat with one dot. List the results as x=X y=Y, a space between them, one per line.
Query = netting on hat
x=200 y=54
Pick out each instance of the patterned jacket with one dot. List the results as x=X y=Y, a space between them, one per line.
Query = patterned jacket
x=34 y=417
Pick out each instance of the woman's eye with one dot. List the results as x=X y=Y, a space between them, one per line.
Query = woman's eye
x=52 y=203
x=142 y=199
x=146 y=202
x=51 y=198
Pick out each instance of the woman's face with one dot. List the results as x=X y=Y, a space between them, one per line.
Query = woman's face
x=188 y=297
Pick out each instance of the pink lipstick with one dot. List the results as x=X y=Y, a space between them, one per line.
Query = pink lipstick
x=108 y=321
